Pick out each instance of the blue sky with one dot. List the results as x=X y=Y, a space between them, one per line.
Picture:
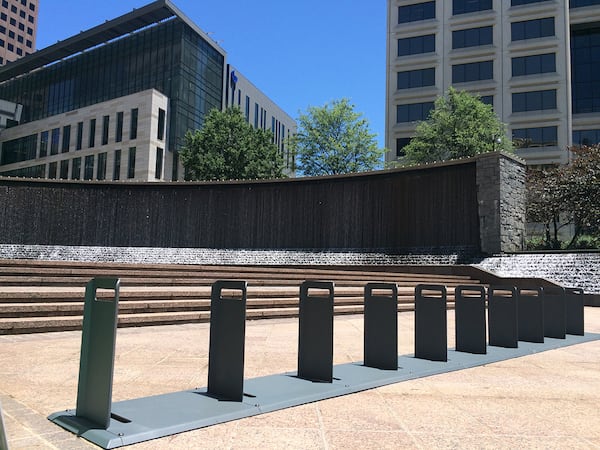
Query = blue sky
x=300 y=54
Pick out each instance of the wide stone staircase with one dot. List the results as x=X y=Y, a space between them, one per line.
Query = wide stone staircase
x=41 y=296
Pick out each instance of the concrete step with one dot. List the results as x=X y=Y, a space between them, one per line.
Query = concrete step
x=22 y=325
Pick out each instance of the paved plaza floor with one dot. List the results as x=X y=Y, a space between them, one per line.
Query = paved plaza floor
x=544 y=400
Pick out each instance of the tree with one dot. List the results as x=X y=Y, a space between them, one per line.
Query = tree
x=546 y=203
x=459 y=126
x=582 y=186
x=567 y=195
x=334 y=139
x=228 y=148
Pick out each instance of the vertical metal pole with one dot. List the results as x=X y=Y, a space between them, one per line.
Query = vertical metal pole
x=3 y=438
x=227 y=341
x=531 y=315
x=503 y=317
x=315 y=339
x=381 y=327
x=431 y=324
x=575 y=315
x=96 y=365
x=470 y=323
x=555 y=313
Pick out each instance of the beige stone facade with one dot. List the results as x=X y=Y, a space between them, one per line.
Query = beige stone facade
x=18 y=29
x=100 y=140
x=441 y=37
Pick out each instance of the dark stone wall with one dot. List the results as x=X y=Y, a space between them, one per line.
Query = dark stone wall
x=431 y=207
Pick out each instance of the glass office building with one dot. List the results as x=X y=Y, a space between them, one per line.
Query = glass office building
x=167 y=54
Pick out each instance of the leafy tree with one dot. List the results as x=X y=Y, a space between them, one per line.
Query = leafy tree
x=567 y=195
x=228 y=148
x=582 y=186
x=459 y=126
x=546 y=203
x=334 y=139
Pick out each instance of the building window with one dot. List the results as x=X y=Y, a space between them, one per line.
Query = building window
x=413 y=112
x=535 y=137
x=416 y=12
x=256 y=118
x=525 y=2
x=117 y=166
x=401 y=143
x=473 y=37
x=17 y=150
x=52 y=168
x=463 y=73
x=585 y=55
x=54 y=140
x=76 y=171
x=131 y=163
x=44 y=136
x=469 y=6
x=64 y=169
x=247 y=109
x=416 y=78
x=92 y=137
x=101 y=171
x=534 y=100
x=487 y=100
x=582 y=3
x=416 y=45
x=161 y=124
x=119 y=130
x=159 y=163
x=4 y=3
x=534 y=64
x=79 y=143
x=586 y=137
x=88 y=171
x=105 y=129
x=133 y=130
x=66 y=142
x=532 y=29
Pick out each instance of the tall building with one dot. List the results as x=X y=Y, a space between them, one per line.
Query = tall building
x=115 y=102
x=536 y=61
x=18 y=29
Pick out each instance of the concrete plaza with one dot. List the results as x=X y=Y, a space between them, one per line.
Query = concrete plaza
x=544 y=400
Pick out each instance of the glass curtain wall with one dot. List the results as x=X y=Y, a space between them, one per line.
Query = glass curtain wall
x=169 y=57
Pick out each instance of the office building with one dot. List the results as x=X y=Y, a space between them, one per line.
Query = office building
x=18 y=29
x=115 y=102
x=535 y=61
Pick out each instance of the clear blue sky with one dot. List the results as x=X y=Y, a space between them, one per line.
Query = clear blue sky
x=300 y=54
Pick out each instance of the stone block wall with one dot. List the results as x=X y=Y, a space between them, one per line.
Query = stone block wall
x=501 y=199
x=581 y=270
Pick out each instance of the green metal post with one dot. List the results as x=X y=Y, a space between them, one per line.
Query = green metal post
x=96 y=365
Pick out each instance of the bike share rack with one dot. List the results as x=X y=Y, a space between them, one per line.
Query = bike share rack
x=230 y=397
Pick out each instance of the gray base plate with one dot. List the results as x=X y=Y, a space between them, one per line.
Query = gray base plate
x=148 y=418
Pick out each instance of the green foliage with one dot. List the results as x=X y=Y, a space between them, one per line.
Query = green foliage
x=229 y=148
x=459 y=126
x=568 y=195
x=334 y=139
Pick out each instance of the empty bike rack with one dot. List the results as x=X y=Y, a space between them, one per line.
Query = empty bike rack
x=431 y=325
x=381 y=326
x=470 y=323
x=230 y=397
x=555 y=312
x=97 y=361
x=531 y=314
x=503 y=317
x=315 y=339
x=575 y=315
x=227 y=340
